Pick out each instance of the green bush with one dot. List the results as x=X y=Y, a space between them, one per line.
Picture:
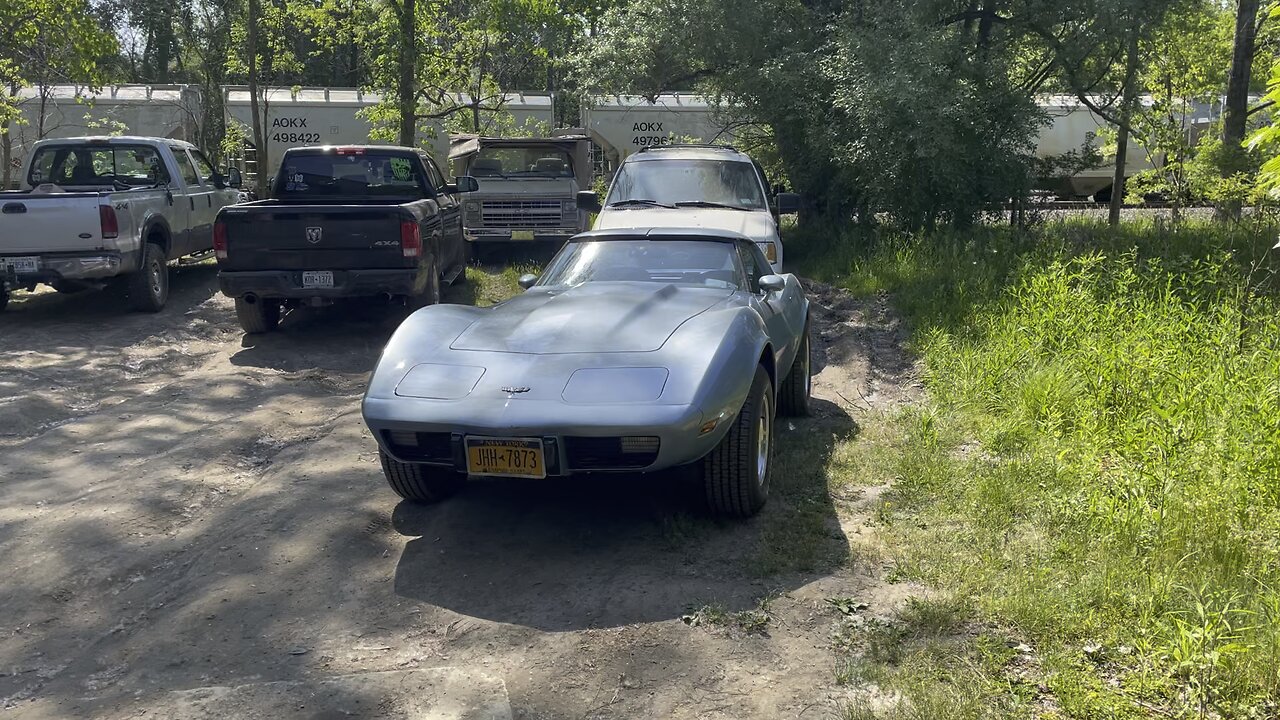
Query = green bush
x=1124 y=389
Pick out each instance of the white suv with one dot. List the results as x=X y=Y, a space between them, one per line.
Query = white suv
x=711 y=186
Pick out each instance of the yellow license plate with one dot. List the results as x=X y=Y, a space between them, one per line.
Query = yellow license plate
x=521 y=234
x=506 y=457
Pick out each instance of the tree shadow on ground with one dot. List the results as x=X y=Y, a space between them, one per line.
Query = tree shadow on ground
x=613 y=550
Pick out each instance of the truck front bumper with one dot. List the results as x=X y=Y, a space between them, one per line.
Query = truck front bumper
x=518 y=235
x=30 y=270
x=287 y=284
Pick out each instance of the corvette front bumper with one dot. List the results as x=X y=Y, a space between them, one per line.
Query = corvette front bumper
x=681 y=429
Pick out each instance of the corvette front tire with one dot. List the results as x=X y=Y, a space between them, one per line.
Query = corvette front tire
x=420 y=483
x=736 y=473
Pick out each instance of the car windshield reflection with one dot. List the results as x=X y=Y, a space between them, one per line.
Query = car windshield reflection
x=708 y=264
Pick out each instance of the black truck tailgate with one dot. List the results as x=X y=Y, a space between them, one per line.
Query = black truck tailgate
x=278 y=236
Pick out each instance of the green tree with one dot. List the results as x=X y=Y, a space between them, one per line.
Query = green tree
x=44 y=42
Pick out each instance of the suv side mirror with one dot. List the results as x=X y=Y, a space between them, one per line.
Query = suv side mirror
x=588 y=200
x=234 y=178
x=465 y=184
x=788 y=203
x=527 y=281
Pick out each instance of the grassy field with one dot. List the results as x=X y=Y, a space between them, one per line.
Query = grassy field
x=1093 y=486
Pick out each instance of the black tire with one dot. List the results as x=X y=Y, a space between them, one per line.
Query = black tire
x=420 y=483
x=797 y=388
x=431 y=294
x=4 y=298
x=259 y=316
x=148 y=288
x=736 y=483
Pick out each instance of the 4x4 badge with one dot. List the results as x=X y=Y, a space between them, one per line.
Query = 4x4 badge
x=314 y=234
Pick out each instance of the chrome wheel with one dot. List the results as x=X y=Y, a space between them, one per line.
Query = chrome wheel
x=157 y=281
x=764 y=430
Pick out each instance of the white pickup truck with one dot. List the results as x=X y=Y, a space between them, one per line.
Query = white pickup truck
x=99 y=210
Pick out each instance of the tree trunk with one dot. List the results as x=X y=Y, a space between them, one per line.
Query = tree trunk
x=6 y=154
x=408 y=63
x=1128 y=99
x=1236 y=112
x=259 y=135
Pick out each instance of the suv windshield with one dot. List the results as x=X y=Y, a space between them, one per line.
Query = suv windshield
x=732 y=183
x=522 y=162
x=359 y=173
x=690 y=262
x=131 y=165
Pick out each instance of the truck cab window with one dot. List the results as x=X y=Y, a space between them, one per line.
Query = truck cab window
x=203 y=166
x=187 y=170
x=98 y=165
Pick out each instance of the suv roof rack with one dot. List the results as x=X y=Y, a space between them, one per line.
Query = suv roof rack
x=677 y=146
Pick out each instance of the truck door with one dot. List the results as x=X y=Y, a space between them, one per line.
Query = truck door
x=202 y=199
x=182 y=219
x=452 y=246
x=218 y=197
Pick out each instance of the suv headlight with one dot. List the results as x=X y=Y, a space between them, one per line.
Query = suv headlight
x=473 y=206
x=569 y=206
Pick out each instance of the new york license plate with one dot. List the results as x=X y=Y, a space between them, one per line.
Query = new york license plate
x=21 y=264
x=506 y=457
x=317 y=279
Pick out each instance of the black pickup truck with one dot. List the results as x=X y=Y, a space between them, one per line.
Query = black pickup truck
x=342 y=222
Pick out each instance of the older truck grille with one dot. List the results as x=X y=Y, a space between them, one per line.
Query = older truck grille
x=521 y=214
x=611 y=453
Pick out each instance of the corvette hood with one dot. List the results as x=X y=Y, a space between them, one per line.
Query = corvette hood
x=599 y=317
x=758 y=226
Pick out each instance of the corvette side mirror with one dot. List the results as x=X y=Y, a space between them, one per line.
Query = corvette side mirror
x=773 y=283
x=527 y=281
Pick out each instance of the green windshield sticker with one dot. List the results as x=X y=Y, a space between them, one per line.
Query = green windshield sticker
x=401 y=169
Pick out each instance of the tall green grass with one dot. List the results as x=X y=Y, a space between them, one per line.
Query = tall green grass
x=1098 y=464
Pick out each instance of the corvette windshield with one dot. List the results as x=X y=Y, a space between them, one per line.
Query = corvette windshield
x=706 y=263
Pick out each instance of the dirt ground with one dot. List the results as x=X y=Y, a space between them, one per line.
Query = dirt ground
x=194 y=524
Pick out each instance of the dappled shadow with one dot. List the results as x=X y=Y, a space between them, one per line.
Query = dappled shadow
x=189 y=287
x=607 y=551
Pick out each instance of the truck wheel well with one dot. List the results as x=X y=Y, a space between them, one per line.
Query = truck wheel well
x=157 y=235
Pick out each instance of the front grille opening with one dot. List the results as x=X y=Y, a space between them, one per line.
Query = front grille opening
x=413 y=446
x=631 y=452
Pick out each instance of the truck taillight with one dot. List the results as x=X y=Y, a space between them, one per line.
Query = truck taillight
x=110 y=224
x=410 y=239
x=220 y=240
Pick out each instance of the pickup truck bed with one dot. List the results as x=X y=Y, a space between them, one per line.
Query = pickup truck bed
x=345 y=222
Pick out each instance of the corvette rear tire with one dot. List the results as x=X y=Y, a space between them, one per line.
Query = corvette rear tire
x=797 y=388
x=259 y=316
x=420 y=483
x=736 y=473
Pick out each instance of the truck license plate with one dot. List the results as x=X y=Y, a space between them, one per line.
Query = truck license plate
x=317 y=279
x=506 y=457
x=21 y=264
x=521 y=234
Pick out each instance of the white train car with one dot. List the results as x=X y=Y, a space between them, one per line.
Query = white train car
x=171 y=111
x=296 y=117
x=624 y=124
x=1070 y=127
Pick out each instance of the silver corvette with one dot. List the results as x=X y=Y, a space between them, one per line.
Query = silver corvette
x=636 y=351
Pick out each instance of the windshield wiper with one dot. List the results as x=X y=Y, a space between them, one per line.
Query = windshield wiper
x=641 y=201
x=709 y=204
